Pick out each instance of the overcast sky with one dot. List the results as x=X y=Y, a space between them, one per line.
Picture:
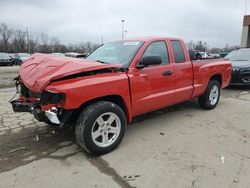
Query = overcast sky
x=218 y=22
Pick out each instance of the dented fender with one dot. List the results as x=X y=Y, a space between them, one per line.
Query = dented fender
x=80 y=90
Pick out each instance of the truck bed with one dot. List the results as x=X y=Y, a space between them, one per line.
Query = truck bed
x=204 y=68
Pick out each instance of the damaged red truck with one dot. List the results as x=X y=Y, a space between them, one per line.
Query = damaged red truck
x=116 y=82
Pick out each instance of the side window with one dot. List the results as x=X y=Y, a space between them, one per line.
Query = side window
x=158 y=49
x=178 y=52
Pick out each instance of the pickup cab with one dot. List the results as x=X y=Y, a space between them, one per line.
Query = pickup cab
x=118 y=81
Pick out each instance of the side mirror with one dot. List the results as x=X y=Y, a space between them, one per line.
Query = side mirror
x=149 y=60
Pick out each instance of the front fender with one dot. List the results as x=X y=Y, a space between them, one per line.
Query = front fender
x=81 y=90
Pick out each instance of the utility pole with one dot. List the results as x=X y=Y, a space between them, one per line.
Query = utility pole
x=125 y=34
x=27 y=32
x=122 y=28
x=246 y=7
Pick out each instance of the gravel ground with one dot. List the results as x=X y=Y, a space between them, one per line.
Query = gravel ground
x=7 y=74
x=181 y=146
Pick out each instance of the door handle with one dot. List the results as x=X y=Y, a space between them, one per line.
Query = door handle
x=167 y=73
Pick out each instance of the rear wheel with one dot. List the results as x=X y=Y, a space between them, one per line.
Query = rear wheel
x=100 y=127
x=210 y=98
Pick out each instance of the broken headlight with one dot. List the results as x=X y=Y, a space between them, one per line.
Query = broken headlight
x=52 y=98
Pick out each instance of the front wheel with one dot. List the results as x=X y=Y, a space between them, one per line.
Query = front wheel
x=100 y=127
x=211 y=97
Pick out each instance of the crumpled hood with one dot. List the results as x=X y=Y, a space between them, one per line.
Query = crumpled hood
x=40 y=69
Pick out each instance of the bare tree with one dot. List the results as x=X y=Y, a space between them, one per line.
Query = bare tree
x=215 y=50
x=200 y=46
x=82 y=47
x=55 y=44
x=5 y=34
x=91 y=46
x=228 y=48
x=191 y=45
x=44 y=47
x=19 y=41
x=34 y=44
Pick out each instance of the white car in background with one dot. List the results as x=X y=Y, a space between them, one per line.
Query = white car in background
x=208 y=55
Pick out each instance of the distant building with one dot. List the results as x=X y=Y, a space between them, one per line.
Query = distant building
x=245 y=38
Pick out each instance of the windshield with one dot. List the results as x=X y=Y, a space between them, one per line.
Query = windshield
x=120 y=52
x=239 y=55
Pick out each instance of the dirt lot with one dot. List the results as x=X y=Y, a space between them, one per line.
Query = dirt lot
x=181 y=146
x=7 y=74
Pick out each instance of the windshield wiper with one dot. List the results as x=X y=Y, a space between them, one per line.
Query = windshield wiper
x=239 y=60
x=101 y=61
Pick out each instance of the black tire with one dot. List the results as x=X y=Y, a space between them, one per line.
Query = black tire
x=86 y=122
x=204 y=100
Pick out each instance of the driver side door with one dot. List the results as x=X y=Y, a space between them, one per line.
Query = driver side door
x=152 y=87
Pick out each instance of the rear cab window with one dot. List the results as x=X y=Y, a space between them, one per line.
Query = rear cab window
x=179 y=55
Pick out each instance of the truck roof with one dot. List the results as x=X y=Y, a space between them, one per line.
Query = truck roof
x=148 y=39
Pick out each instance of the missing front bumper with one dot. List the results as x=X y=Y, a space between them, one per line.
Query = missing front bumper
x=52 y=116
x=17 y=106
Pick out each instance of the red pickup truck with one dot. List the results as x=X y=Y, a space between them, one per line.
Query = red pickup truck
x=116 y=82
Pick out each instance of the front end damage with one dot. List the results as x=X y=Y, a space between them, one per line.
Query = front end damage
x=38 y=72
x=46 y=106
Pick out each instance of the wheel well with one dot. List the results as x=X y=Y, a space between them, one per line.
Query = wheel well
x=217 y=77
x=111 y=98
